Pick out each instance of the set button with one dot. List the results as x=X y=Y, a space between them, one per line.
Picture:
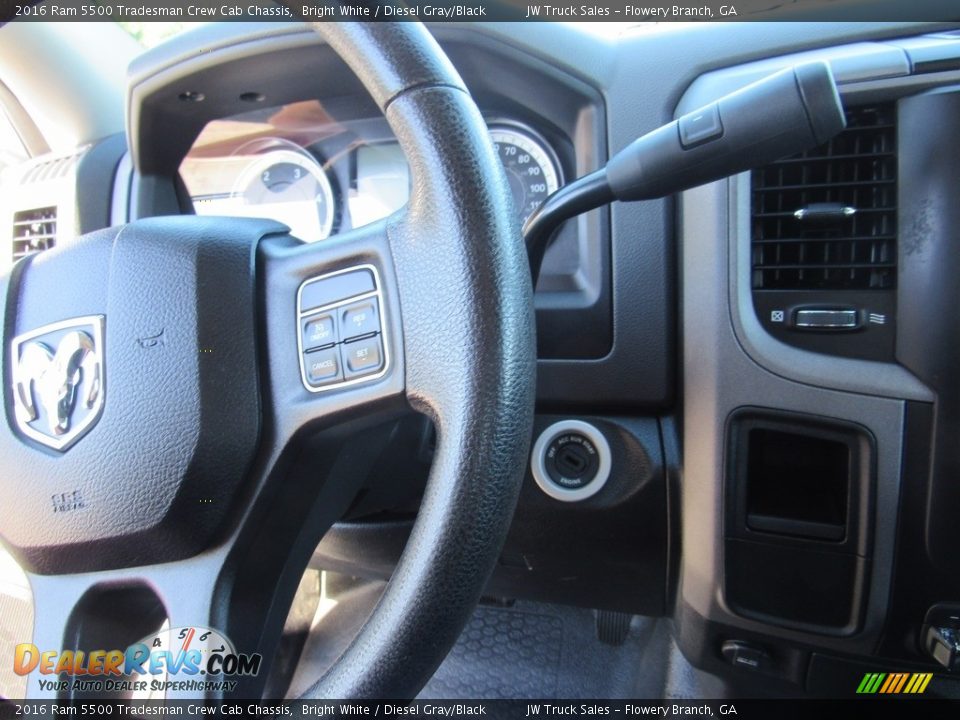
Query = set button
x=363 y=356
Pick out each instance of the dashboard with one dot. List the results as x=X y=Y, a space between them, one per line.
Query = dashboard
x=785 y=493
x=276 y=126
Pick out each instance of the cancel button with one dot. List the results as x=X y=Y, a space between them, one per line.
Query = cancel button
x=322 y=366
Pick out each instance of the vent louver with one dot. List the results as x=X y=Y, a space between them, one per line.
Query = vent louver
x=33 y=231
x=826 y=219
x=52 y=169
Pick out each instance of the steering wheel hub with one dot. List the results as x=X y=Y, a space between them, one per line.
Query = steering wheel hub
x=135 y=393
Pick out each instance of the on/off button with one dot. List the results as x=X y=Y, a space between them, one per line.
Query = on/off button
x=700 y=126
x=318 y=332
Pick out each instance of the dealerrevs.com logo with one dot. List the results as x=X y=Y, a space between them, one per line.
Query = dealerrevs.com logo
x=180 y=659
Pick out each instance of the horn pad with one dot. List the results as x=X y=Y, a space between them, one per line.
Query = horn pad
x=131 y=392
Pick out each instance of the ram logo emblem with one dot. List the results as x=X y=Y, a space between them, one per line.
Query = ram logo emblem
x=58 y=381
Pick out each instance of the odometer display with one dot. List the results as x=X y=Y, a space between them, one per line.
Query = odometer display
x=532 y=169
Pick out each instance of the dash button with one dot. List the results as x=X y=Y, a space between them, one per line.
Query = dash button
x=360 y=319
x=318 y=332
x=363 y=356
x=322 y=366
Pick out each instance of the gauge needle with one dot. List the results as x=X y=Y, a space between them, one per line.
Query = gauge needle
x=187 y=639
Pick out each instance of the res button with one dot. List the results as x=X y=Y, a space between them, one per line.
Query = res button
x=360 y=319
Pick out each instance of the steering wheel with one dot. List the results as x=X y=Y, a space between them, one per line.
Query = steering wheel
x=168 y=395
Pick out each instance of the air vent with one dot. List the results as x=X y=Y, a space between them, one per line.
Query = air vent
x=33 y=231
x=52 y=168
x=826 y=219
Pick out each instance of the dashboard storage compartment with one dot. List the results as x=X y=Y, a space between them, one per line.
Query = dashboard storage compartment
x=797 y=485
x=806 y=589
x=799 y=492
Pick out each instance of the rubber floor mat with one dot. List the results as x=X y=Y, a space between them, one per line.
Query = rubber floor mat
x=536 y=650
x=502 y=654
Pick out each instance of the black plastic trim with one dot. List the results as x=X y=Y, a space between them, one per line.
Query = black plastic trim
x=608 y=551
x=928 y=326
x=95 y=177
x=788 y=572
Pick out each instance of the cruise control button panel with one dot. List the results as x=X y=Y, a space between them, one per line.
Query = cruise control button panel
x=341 y=322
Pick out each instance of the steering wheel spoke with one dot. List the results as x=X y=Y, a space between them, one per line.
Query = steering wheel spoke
x=239 y=589
x=116 y=611
x=333 y=330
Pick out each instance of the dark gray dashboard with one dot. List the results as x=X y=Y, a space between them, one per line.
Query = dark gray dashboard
x=648 y=328
x=606 y=315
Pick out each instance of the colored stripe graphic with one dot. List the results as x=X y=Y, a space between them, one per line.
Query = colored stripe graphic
x=870 y=683
x=186 y=641
x=891 y=680
x=923 y=679
x=894 y=683
x=903 y=681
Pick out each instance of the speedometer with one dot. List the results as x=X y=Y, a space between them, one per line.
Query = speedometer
x=533 y=171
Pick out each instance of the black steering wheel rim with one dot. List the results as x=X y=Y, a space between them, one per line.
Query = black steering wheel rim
x=483 y=413
x=454 y=277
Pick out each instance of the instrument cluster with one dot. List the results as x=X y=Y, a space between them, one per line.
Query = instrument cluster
x=320 y=174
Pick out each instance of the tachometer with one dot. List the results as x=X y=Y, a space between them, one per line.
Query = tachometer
x=533 y=171
x=291 y=187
